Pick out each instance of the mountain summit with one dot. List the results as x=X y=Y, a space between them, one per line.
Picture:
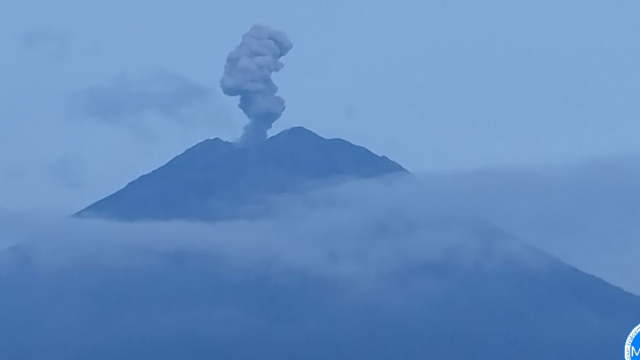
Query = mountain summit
x=216 y=180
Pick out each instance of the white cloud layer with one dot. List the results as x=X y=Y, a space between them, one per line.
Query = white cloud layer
x=366 y=270
x=340 y=233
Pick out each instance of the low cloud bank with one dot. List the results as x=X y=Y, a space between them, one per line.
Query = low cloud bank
x=341 y=233
x=323 y=277
x=374 y=269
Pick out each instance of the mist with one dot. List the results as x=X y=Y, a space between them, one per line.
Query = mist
x=342 y=232
x=586 y=214
x=316 y=278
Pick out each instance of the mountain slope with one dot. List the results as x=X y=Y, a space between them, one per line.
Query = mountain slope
x=496 y=302
x=216 y=180
x=450 y=288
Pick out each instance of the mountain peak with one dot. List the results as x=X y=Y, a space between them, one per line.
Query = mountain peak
x=298 y=133
x=216 y=179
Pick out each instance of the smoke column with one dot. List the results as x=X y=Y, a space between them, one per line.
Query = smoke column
x=247 y=74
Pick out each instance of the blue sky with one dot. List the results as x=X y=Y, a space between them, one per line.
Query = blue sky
x=435 y=85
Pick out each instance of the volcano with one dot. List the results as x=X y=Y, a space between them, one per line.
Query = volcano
x=434 y=309
x=218 y=180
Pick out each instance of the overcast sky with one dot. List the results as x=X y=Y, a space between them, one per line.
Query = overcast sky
x=93 y=94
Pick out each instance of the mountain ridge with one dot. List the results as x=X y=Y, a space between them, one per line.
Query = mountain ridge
x=218 y=180
x=513 y=311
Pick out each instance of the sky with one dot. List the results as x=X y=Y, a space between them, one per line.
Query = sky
x=94 y=94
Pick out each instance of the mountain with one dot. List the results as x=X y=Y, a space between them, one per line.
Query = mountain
x=487 y=296
x=484 y=304
x=216 y=180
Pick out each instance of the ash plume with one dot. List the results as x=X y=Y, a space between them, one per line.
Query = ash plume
x=247 y=74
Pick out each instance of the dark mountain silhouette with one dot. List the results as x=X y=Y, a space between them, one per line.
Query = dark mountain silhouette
x=217 y=180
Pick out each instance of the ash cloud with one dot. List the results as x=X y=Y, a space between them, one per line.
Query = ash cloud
x=247 y=74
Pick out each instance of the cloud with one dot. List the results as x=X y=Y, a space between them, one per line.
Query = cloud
x=12 y=172
x=369 y=269
x=51 y=44
x=130 y=99
x=340 y=233
x=68 y=172
x=585 y=214
x=286 y=285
